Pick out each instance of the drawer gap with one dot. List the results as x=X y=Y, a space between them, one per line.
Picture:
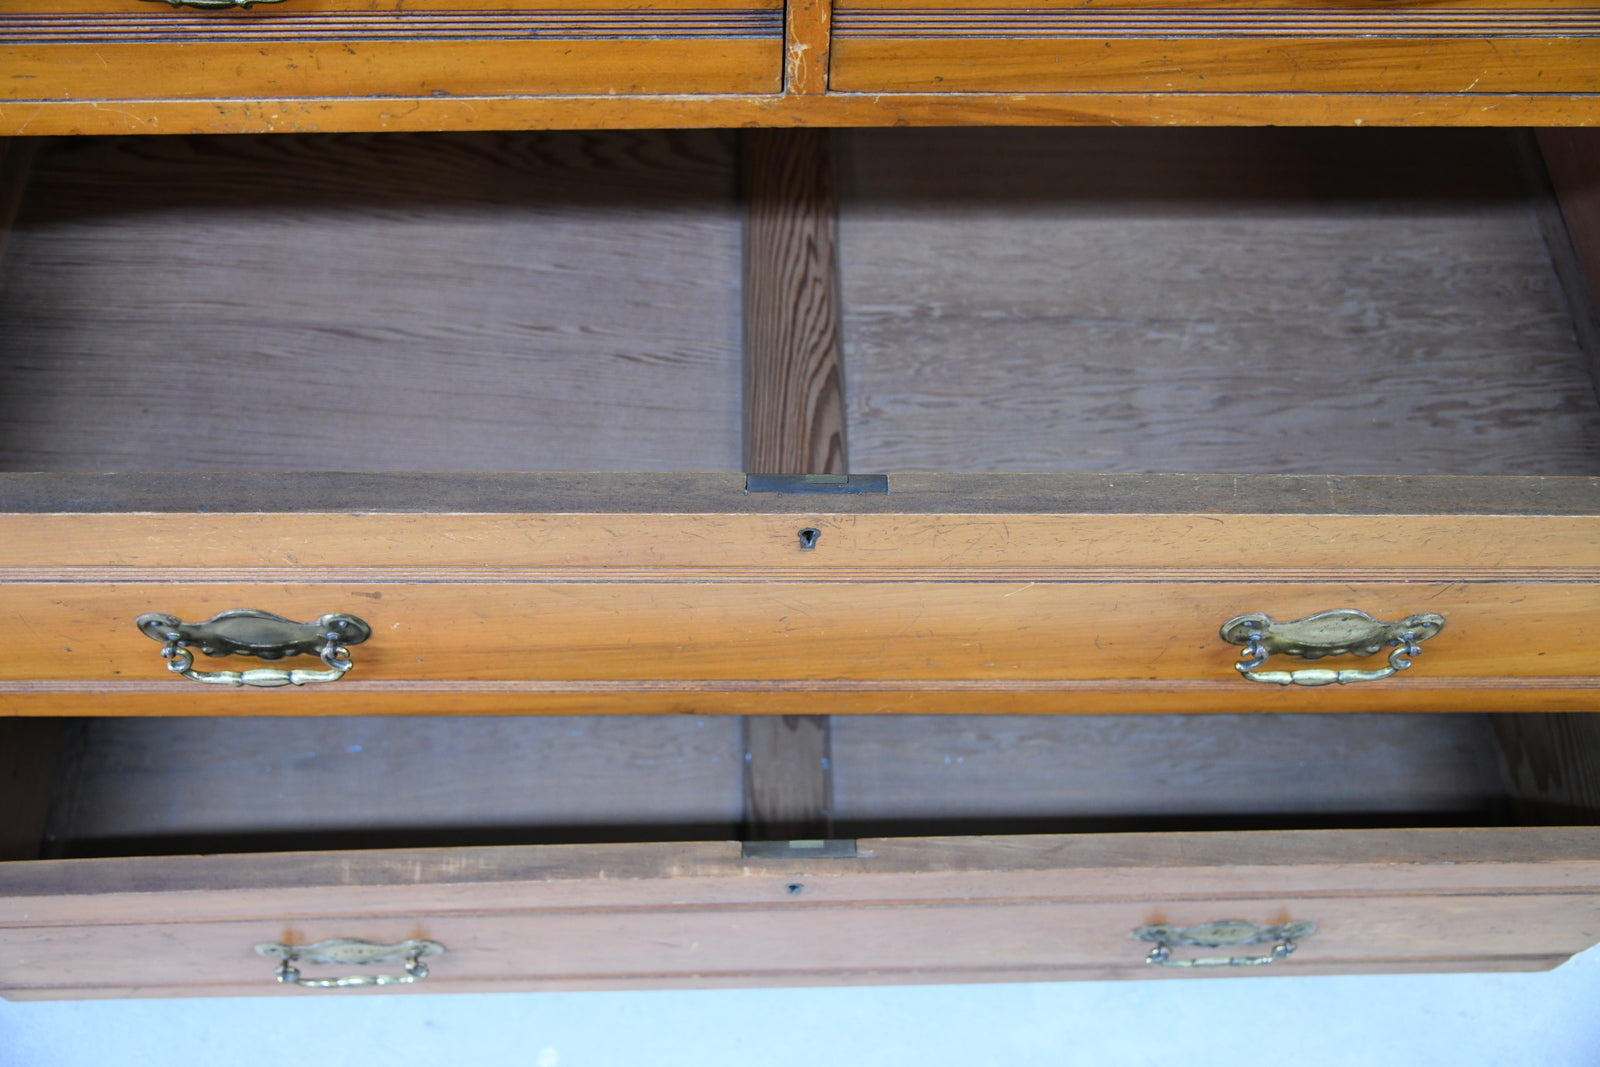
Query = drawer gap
x=155 y=786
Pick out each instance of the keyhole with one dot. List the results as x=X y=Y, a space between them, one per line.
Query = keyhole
x=808 y=537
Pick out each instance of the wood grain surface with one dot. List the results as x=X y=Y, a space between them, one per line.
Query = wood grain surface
x=1359 y=301
x=788 y=780
x=793 y=383
x=16 y=167
x=914 y=631
x=178 y=786
x=137 y=7
x=1572 y=161
x=924 y=909
x=480 y=302
x=808 y=40
x=458 y=113
x=900 y=610
x=1165 y=59
x=1551 y=11
x=113 y=71
x=30 y=750
x=987 y=774
x=1550 y=766
x=793 y=399
x=99 y=504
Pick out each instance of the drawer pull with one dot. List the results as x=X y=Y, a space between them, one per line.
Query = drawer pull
x=347 y=953
x=259 y=634
x=1219 y=935
x=1329 y=633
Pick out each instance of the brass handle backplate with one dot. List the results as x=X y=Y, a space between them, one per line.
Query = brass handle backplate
x=1343 y=632
x=349 y=953
x=257 y=633
x=1220 y=935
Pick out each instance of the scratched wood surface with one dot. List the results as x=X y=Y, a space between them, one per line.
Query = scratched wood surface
x=1239 y=301
x=472 y=302
x=434 y=114
x=123 y=51
x=1214 y=46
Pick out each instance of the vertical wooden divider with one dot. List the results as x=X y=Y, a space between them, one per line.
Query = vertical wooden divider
x=16 y=163
x=793 y=423
x=807 y=31
x=1572 y=160
x=1549 y=761
x=793 y=389
x=28 y=747
x=29 y=752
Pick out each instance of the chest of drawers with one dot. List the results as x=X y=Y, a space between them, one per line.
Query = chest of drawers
x=1361 y=350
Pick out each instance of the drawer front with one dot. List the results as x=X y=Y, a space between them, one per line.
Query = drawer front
x=908 y=910
x=1042 y=645
x=133 y=50
x=1217 y=46
x=708 y=598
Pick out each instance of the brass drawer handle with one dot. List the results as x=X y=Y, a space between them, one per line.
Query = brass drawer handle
x=347 y=953
x=259 y=634
x=1218 y=935
x=1343 y=632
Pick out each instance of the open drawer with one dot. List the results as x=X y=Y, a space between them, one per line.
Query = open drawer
x=1374 y=337
x=1337 y=844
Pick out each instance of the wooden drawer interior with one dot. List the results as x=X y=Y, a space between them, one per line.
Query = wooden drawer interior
x=178 y=786
x=1049 y=300
x=1446 y=842
x=1241 y=301
x=453 y=302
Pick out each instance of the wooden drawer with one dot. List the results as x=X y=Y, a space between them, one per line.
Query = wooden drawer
x=1411 y=880
x=600 y=302
x=108 y=50
x=686 y=593
x=1155 y=46
x=575 y=301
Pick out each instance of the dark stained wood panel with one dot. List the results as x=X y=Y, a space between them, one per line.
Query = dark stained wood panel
x=462 y=302
x=1008 y=773
x=29 y=752
x=794 y=403
x=1549 y=762
x=1240 y=301
x=247 y=784
x=1572 y=159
